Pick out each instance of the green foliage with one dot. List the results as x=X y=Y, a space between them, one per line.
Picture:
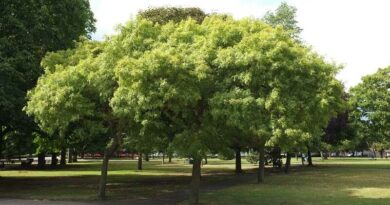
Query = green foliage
x=253 y=157
x=29 y=29
x=226 y=154
x=371 y=109
x=185 y=84
x=66 y=101
x=163 y=15
x=285 y=16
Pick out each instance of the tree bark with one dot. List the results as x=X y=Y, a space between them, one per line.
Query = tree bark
x=260 y=173
x=70 y=158
x=205 y=160
x=195 y=181
x=163 y=158
x=309 y=159
x=140 y=161
x=382 y=153
x=324 y=155
x=82 y=154
x=1 y=146
x=63 y=157
x=169 y=158
x=147 y=157
x=2 y=134
x=238 y=161
x=288 y=162
x=103 y=177
x=54 y=160
x=74 y=155
x=41 y=160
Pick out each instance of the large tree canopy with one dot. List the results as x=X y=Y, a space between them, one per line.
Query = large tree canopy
x=190 y=80
x=29 y=29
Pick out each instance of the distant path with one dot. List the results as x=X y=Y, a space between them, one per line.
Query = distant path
x=165 y=199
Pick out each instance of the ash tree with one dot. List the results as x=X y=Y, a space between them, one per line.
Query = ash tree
x=185 y=82
x=169 y=83
x=273 y=89
x=75 y=90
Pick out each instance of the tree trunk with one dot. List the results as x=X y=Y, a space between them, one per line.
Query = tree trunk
x=147 y=157
x=205 y=160
x=324 y=155
x=169 y=158
x=288 y=162
x=82 y=154
x=163 y=158
x=382 y=153
x=54 y=160
x=63 y=157
x=103 y=177
x=140 y=161
x=132 y=156
x=41 y=160
x=309 y=159
x=238 y=161
x=70 y=158
x=302 y=159
x=2 y=134
x=195 y=181
x=1 y=146
x=74 y=155
x=260 y=173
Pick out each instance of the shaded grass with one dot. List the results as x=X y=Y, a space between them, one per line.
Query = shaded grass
x=79 y=181
x=334 y=181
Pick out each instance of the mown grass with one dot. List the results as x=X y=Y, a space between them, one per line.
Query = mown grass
x=79 y=181
x=334 y=181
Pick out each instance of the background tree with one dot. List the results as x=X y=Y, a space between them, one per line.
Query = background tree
x=29 y=29
x=339 y=133
x=371 y=109
x=285 y=16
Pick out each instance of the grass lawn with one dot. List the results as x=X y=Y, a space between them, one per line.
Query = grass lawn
x=334 y=181
x=79 y=181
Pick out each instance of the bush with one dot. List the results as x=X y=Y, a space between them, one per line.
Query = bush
x=253 y=157
x=227 y=154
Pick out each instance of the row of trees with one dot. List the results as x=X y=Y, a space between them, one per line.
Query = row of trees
x=201 y=86
x=177 y=80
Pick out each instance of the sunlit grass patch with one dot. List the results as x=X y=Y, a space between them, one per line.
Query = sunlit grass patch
x=371 y=192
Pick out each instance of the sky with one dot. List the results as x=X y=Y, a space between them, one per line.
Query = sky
x=351 y=33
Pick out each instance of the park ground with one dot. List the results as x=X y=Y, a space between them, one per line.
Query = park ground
x=354 y=181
